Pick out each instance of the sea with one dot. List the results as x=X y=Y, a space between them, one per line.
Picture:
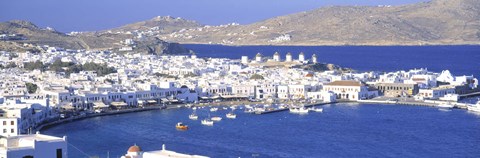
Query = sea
x=341 y=130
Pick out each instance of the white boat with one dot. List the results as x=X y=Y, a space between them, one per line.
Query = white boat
x=299 y=110
x=207 y=122
x=231 y=115
x=475 y=107
x=316 y=109
x=259 y=109
x=213 y=109
x=249 y=110
x=445 y=106
x=194 y=108
x=216 y=118
x=193 y=117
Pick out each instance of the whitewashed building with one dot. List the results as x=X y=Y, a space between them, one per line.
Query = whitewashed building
x=33 y=146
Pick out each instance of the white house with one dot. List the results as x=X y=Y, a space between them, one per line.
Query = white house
x=350 y=90
x=33 y=146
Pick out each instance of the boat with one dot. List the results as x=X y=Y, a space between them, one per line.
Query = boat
x=181 y=126
x=231 y=115
x=213 y=109
x=301 y=110
x=207 y=122
x=216 y=118
x=445 y=106
x=193 y=116
x=194 y=108
x=249 y=110
x=316 y=109
x=475 y=107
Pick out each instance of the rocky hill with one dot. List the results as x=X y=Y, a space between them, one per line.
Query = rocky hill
x=162 y=24
x=26 y=32
x=438 y=22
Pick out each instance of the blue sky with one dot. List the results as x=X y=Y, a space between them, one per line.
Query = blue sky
x=92 y=15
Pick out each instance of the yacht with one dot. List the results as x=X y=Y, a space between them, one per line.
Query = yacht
x=207 y=122
x=475 y=107
x=231 y=115
x=216 y=118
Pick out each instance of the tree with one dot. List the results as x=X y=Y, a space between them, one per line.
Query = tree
x=31 y=88
x=37 y=65
x=256 y=77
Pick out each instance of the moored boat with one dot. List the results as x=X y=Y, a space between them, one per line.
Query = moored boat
x=316 y=109
x=231 y=115
x=207 y=122
x=193 y=116
x=475 y=107
x=445 y=106
x=301 y=110
x=216 y=118
x=213 y=109
x=181 y=126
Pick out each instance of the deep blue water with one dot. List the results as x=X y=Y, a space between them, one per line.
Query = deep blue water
x=342 y=130
x=460 y=60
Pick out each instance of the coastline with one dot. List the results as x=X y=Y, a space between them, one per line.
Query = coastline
x=231 y=103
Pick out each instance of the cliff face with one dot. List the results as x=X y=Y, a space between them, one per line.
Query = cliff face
x=435 y=22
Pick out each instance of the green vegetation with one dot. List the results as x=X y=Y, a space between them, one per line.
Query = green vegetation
x=31 y=88
x=70 y=67
x=190 y=75
x=37 y=65
x=256 y=77
x=8 y=66
x=164 y=75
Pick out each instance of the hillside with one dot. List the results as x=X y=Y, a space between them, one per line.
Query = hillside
x=27 y=32
x=436 y=22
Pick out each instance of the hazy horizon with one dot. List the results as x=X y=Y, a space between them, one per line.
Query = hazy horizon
x=91 y=15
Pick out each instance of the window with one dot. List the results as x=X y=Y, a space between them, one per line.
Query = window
x=4 y=130
x=4 y=122
x=12 y=123
x=59 y=153
x=12 y=130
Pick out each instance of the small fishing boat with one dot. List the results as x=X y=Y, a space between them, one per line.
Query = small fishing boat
x=249 y=110
x=207 y=122
x=231 y=115
x=213 y=109
x=193 y=116
x=216 y=118
x=315 y=109
x=181 y=126
x=445 y=106
x=301 y=110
